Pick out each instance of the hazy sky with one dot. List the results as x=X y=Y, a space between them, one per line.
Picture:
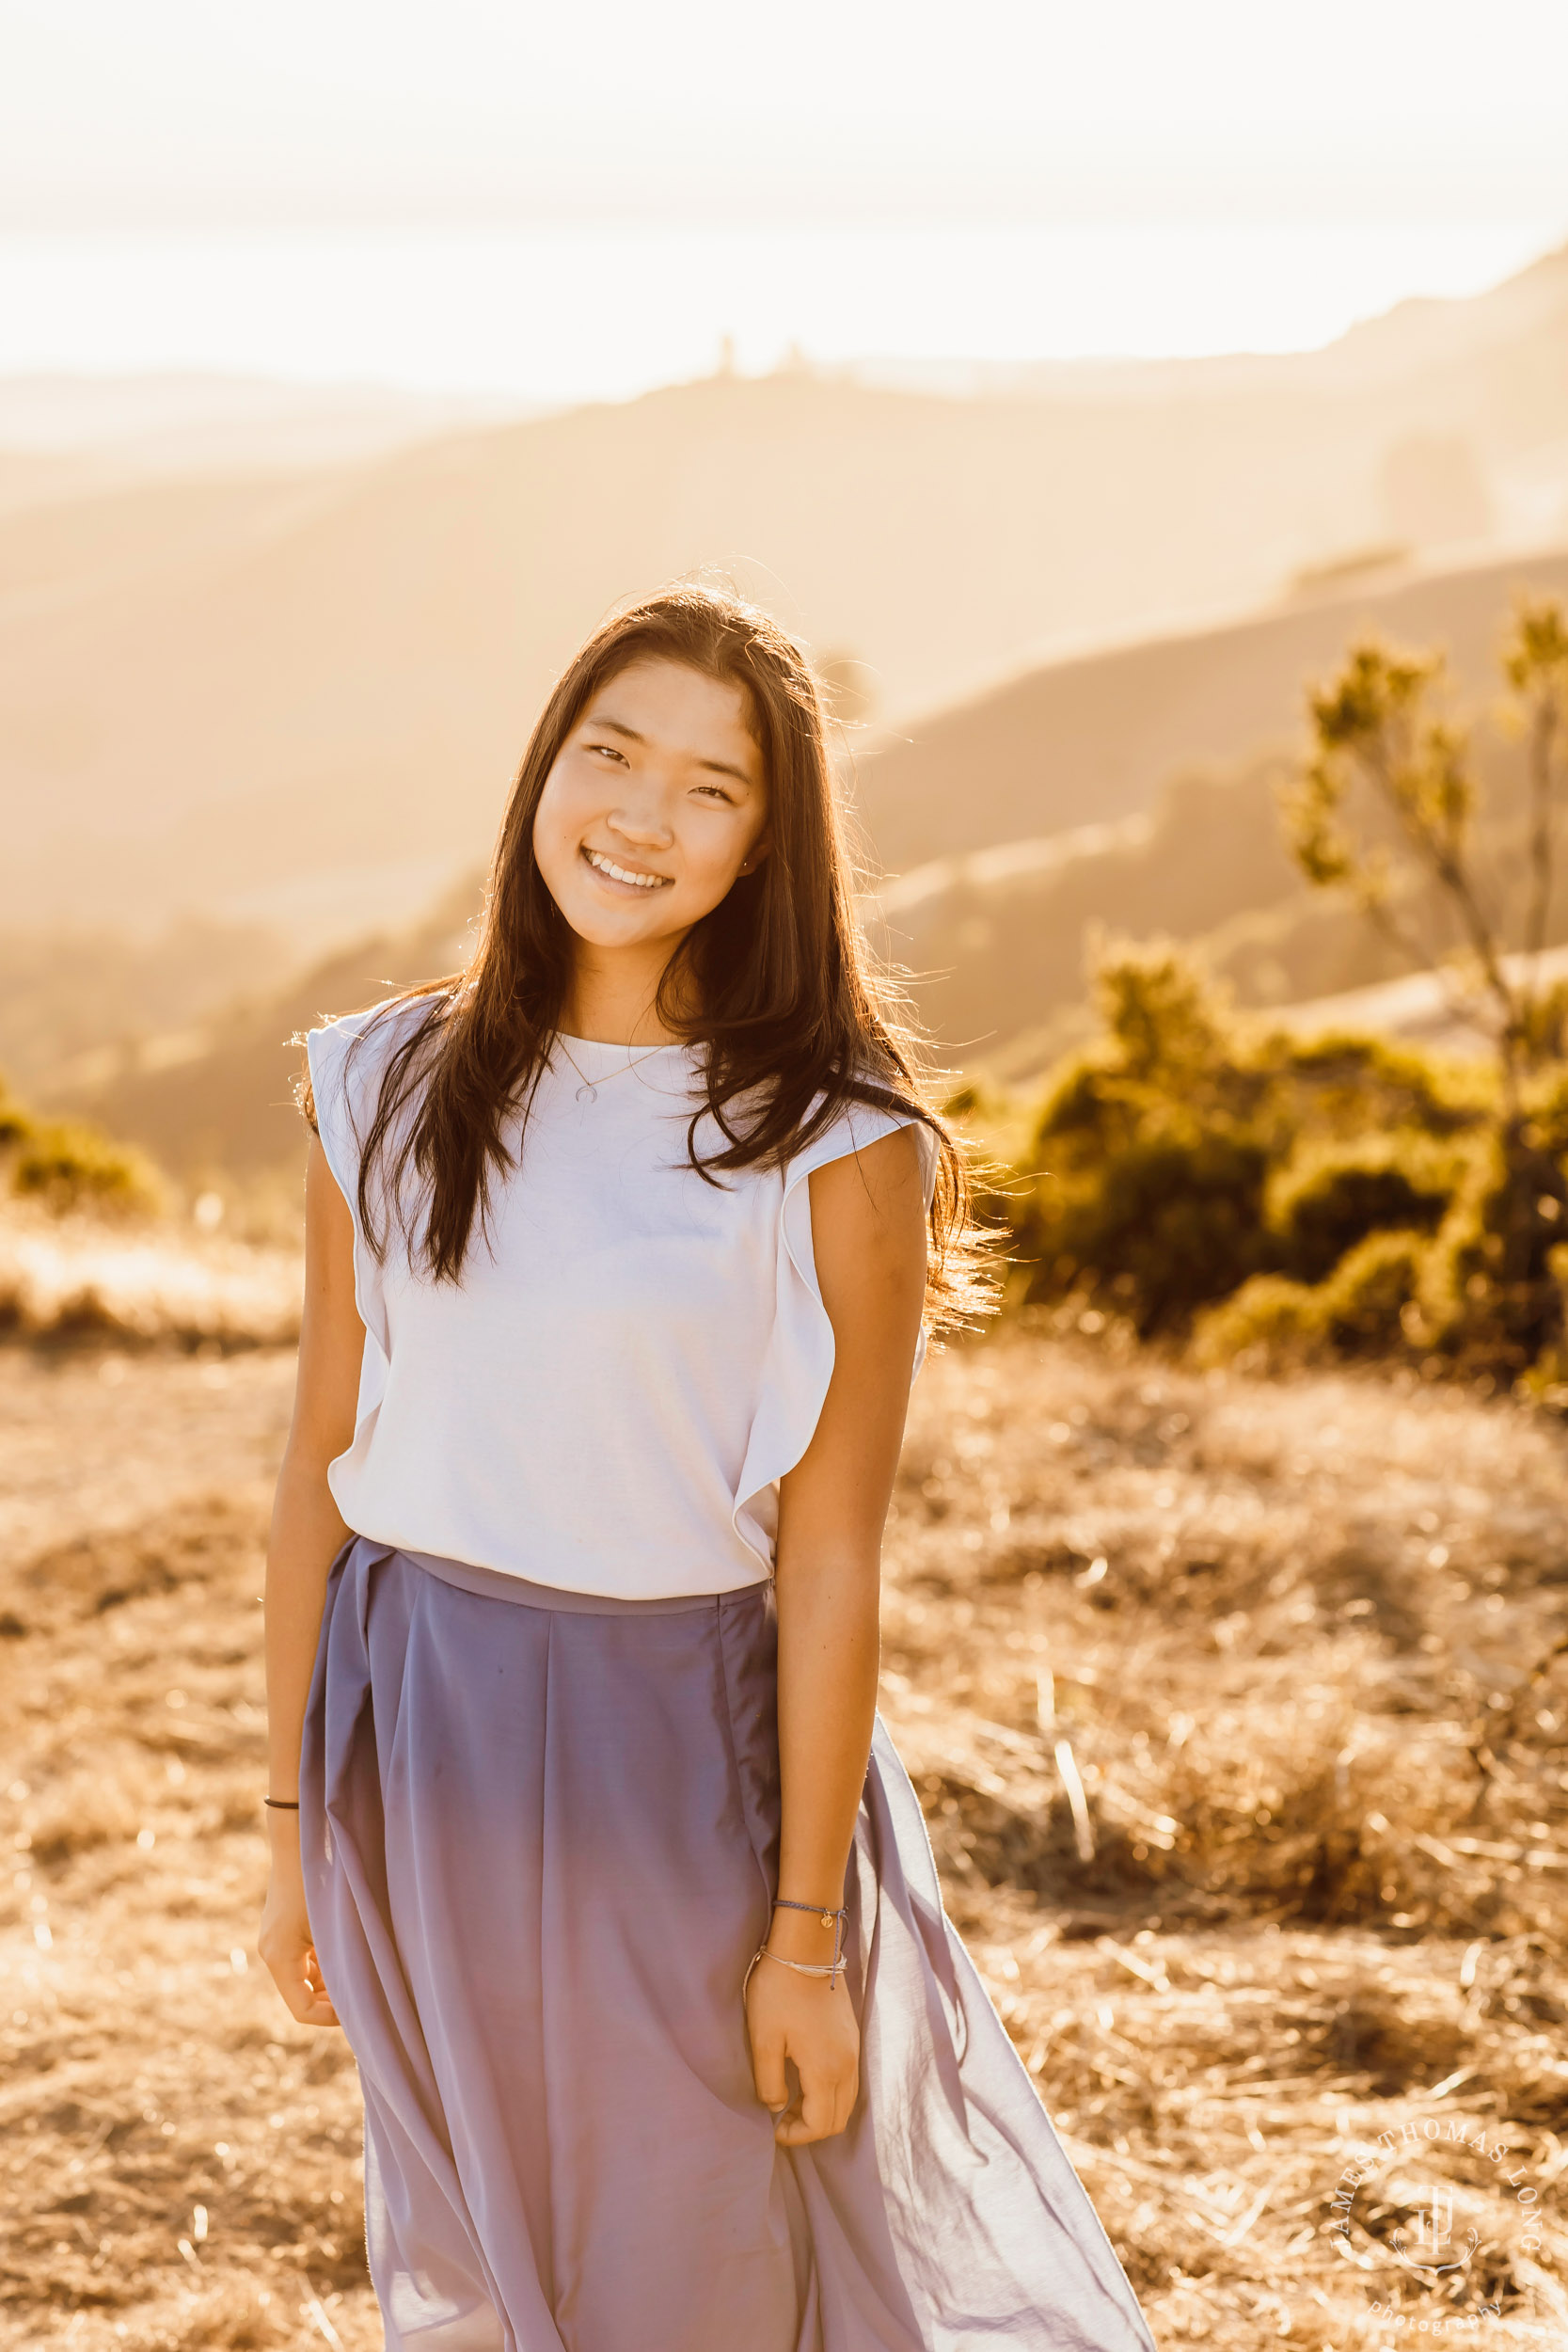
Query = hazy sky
x=1206 y=173
x=1012 y=108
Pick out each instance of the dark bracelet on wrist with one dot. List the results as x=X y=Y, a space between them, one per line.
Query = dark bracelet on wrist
x=282 y=1804
x=823 y=1912
x=827 y=1916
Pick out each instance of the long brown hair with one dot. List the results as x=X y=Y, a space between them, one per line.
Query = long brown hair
x=795 y=1018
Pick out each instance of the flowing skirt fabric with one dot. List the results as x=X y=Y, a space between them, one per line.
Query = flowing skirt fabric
x=540 y=1834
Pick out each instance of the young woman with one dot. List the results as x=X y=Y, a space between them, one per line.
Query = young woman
x=619 y=1246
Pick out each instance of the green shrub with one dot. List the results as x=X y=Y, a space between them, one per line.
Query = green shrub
x=1345 y=1083
x=1333 y=1191
x=1363 y=1309
x=1146 y=1171
x=1365 y=1304
x=66 y=1166
x=1270 y=1318
x=1488 y=1297
x=1173 y=1220
x=1546 y=1380
x=1546 y=1126
x=1335 y=1194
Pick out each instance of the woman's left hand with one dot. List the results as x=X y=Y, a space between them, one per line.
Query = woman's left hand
x=808 y=2021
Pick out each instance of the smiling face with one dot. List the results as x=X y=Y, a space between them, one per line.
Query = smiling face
x=657 y=802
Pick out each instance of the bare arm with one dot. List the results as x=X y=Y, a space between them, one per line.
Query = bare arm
x=868 y=1234
x=306 y=1533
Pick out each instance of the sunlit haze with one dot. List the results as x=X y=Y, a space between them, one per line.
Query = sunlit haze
x=557 y=204
x=598 y=313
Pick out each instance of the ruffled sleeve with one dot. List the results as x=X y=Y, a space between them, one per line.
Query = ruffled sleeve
x=800 y=1359
x=346 y=1076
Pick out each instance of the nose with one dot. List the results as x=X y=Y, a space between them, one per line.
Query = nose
x=641 y=819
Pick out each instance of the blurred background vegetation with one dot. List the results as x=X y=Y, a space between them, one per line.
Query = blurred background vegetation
x=1263 y=1190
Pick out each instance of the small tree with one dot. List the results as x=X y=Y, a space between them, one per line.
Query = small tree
x=1387 y=803
x=1535 y=662
x=1384 y=810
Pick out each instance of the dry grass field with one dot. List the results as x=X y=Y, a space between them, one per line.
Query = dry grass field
x=1238 y=1713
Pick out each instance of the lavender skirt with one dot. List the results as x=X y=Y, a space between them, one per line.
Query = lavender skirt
x=540 y=1834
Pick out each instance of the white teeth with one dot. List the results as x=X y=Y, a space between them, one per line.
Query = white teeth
x=605 y=866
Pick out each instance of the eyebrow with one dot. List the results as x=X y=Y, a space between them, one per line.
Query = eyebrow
x=715 y=767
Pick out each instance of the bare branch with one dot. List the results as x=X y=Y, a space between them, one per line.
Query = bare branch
x=1374 y=728
x=1542 y=739
x=1424 y=786
x=1535 y=662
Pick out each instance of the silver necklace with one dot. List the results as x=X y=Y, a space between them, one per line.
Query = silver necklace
x=591 y=1086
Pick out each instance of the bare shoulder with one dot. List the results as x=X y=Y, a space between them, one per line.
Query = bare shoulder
x=328 y=1218
x=328 y=1233
x=869 y=1216
x=331 y=1336
x=871 y=1181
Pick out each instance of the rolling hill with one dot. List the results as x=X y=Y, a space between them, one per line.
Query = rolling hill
x=1170 y=742
x=1093 y=740
x=240 y=696
x=1179 y=748
x=999 y=942
x=220 y=1098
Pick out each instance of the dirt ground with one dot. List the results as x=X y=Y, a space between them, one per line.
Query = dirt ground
x=1240 y=1719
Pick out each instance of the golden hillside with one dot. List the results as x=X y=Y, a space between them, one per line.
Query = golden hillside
x=220 y=1098
x=1084 y=742
x=995 y=934
x=232 y=693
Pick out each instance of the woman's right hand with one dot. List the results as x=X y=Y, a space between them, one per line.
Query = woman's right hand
x=285 y=1942
x=811 y=2022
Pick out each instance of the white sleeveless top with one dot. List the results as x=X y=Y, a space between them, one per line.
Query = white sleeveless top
x=607 y=1400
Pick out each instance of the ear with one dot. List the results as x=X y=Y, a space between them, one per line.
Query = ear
x=755 y=856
